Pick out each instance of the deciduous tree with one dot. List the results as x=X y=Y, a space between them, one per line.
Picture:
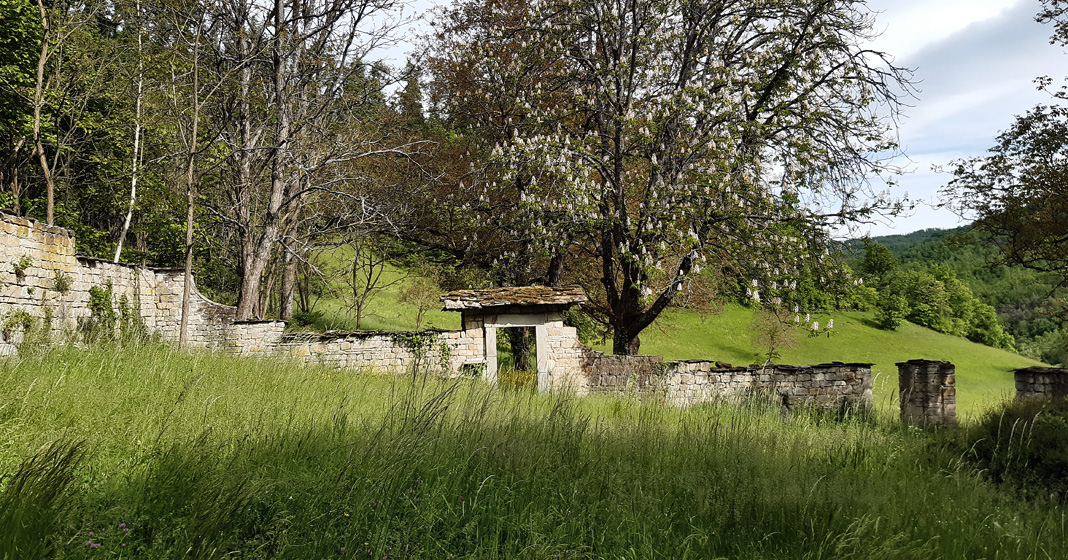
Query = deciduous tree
x=667 y=134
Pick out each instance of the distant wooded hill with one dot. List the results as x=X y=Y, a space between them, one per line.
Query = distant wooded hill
x=1025 y=300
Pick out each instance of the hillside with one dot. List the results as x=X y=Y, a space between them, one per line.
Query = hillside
x=1025 y=300
x=983 y=373
x=680 y=334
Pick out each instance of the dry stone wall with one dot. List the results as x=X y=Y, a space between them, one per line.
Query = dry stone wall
x=1041 y=383
x=41 y=276
x=686 y=383
x=927 y=391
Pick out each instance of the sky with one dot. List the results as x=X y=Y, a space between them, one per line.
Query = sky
x=974 y=63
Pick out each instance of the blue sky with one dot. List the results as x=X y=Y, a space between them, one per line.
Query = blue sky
x=975 y=61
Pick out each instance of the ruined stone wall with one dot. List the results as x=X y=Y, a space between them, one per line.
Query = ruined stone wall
x=687 y=383
x=41 y=275
x=927 y=391
x=1041 y=383
x=385 y=352
x=564 y=357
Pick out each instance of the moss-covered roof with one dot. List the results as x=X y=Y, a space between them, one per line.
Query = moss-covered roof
x=524 y=296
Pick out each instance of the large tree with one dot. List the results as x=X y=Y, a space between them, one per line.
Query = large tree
x=664 y=134
x=1018 y=193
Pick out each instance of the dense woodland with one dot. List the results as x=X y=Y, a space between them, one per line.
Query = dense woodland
x=657 y=152
x=1030 y=305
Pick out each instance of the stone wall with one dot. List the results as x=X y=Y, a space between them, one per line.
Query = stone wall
x=41 y=275
x=1041 y=382
x=686 y=383
x=928 y=393
x=366 y=350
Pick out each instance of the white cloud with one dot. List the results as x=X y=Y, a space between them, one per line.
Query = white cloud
x=909 y=25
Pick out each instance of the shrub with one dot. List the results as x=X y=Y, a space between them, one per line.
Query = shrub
x=62 y=282
x=1023 y=445
x=20 y=266
x=890 y=310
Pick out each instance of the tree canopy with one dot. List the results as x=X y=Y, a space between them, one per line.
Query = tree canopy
x=652 y=138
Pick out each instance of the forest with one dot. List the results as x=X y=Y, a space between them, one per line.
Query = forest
x=657 y=152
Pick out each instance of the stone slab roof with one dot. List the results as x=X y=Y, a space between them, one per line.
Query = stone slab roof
x=525 y=296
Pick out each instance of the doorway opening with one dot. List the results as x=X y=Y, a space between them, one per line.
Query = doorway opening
x=517 y=358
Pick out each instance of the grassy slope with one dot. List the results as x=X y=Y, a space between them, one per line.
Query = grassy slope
x=385 y=312
x=983 y=373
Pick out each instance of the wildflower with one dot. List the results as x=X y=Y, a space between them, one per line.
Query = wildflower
x=92 y=534
x=815 y=325
x=830 y=324
x=122 y=525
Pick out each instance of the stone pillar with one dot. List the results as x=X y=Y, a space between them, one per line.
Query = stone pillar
x=1041 y=383
x=928 y=393
x=541 y=342
x=489 y=375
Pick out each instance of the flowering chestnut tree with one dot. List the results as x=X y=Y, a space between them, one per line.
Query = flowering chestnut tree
x=661 y=136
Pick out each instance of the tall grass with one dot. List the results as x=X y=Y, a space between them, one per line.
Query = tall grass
x=207 y=456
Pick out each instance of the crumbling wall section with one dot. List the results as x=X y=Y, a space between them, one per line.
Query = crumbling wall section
x=42 y=277
x=686 y=383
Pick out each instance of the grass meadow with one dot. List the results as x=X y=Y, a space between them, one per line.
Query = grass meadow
x=149 y=452
x=984 y=374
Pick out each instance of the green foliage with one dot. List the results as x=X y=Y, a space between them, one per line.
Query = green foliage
x=879 y=262
x=1023 y=445
x=20 y=31
x=61 y=282
x=1022 y=299
x=17 y=319
x=305 y=318
x=20 y=266
x=101 y=322
x=890 y=310
x=938 y=300
x=586 y=327
x=1050 y=347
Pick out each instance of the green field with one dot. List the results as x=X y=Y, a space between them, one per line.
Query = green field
x=147 y=452
x=984 y=375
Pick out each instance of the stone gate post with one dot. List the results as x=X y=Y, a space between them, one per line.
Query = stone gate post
x=928 y=393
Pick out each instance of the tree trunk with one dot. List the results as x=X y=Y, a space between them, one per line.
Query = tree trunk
x=522 y=343
x=289 y=281
x=38 y=103
x=624 y=343
x=187 y=285
x=264 y=244
x=137 y=141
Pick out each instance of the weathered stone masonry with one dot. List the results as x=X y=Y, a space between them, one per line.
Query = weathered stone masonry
x=563 y=362
x=1041 y=383
x=683 y=383
x=48 y=253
